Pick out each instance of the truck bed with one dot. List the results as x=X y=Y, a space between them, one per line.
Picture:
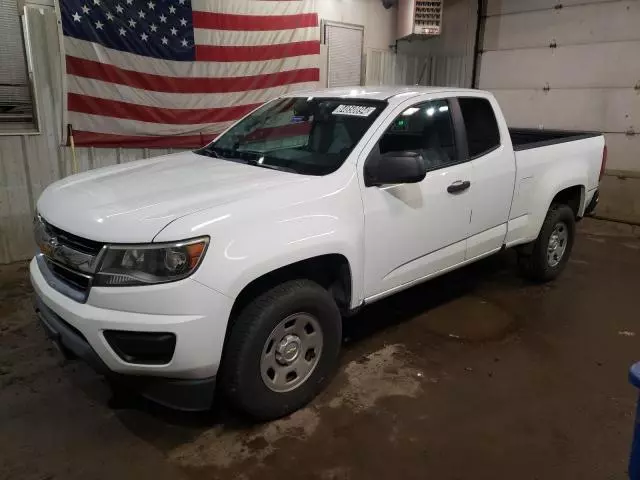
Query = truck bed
x=526 y=138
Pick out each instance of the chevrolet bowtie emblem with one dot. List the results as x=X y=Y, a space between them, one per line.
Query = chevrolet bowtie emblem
x=49 y=247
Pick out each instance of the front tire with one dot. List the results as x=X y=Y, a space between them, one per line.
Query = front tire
x=550 y=252
x=282 y=349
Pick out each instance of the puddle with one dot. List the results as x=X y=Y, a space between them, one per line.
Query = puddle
x=468 y=318
x=375 y=376
x=223 y=448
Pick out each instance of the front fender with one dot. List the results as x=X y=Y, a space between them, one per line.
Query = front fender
x=256 y=236
x=268 y=246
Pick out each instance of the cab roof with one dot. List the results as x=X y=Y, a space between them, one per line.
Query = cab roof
x=383 y=92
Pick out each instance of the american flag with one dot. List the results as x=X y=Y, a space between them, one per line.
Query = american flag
x=174 y=73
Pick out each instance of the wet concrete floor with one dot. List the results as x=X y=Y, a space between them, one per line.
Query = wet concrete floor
x=476 y=375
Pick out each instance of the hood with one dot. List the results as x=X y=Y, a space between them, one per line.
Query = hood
x=133 y=202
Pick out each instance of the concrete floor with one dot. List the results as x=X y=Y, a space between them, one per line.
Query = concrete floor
x=475 y=375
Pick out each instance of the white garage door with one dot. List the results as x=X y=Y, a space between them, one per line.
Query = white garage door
x=344 y=42
x=568 y=64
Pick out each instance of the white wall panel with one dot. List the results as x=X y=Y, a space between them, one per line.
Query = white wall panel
x=589 y=81
x=615 y=64
x=623 y=154
x=598 y=22
x=620 y=199
x=506 y=7
x=608 y=110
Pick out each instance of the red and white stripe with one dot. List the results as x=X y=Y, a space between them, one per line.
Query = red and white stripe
x=247 y=52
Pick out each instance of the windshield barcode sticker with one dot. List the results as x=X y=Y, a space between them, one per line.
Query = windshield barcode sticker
x=354 y=110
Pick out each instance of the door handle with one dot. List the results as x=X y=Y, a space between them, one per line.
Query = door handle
x=458 y=186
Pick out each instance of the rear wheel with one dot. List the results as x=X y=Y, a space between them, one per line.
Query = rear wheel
x=282 y=349
x=550 y=252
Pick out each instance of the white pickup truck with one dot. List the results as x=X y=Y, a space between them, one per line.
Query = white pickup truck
x=236 y=262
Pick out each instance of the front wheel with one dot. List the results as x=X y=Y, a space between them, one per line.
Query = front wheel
x=282 y=349
x=551 y=250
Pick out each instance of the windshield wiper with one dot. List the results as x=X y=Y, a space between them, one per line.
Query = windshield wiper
x=274 y=167
x=241 y=156
x=210 y=152
x=256 y=162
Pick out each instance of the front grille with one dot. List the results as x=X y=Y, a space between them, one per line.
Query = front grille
x=83 y=245
x=68 y=261
x=63 y=280
x=73 y=279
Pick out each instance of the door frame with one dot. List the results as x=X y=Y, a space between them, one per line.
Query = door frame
x=459 y=130
x=368 y=149
x=323 y=38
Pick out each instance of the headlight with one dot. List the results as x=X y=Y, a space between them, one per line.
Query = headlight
x=129 y=265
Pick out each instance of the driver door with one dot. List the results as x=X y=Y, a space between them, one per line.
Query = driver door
x=413 y=231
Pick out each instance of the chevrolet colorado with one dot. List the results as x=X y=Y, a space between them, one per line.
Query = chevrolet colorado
x=235 y=263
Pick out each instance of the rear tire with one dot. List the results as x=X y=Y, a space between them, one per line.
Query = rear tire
x=282 y=350
x=550 y=252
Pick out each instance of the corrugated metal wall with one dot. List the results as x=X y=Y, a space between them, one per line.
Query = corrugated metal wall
x=30 y=162
x=383 y=67
x=572 y=64
x=388 y=68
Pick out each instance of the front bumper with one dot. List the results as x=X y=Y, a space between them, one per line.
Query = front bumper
x=193 y=312
x=181 y=394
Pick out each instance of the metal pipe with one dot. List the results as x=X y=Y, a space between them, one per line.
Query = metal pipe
x=476 y=48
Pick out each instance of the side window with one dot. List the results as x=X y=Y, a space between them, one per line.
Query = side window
x=481 y=125
x=426 y=128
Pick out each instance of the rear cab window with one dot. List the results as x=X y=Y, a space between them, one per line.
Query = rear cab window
x=483 y=134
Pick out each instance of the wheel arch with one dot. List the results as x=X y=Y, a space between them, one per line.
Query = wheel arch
x=569 y=192
x=574 y=197
x=331 y=271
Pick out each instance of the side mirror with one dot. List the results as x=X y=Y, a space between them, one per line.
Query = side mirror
x=394 y=167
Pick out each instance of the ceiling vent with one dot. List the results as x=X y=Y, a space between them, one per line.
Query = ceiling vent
x=417 y=18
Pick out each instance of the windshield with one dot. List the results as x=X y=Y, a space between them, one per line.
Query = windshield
x=306 y=135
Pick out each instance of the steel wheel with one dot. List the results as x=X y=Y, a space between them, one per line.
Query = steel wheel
x=557 y=244
x=291 y=352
